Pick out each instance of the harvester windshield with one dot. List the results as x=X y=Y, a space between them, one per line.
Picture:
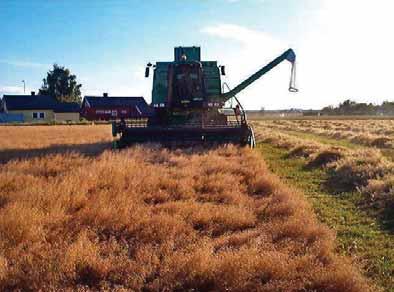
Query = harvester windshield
x=187 y=84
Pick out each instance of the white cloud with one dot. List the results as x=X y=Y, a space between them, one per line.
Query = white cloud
x=344 y=50
x=12 y=89
x=241 y=34
x=256 y=48
x=24 y=64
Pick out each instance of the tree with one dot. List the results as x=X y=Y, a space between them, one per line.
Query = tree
x=387 y=108
x=62 y=85
x=329 y=110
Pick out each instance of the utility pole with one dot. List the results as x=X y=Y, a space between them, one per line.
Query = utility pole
x=24 y=86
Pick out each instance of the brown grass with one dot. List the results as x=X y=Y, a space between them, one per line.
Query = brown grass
x=18 y=142
x=34 y=137
x=357 y=168
x=326 y=157
x=374 y=133
x=150 y=219
x=366 y=170
x=381 y=194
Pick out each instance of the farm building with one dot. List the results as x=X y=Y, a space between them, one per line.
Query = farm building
x=40 y=108
x=67 y=111
x=10 y=118
x=112 y=108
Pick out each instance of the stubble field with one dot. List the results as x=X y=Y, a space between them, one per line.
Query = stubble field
x=75 y=215
x=346 y=170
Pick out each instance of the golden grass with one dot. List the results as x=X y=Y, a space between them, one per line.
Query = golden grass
x=17 y=142
x=363 y=170
x=374 y=133
x=356 y=169
x=33 y=137
x=151 y=219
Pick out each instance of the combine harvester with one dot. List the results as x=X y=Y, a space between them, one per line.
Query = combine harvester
x=189 y=104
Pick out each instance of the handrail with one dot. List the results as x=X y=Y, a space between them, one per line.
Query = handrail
x=243 y=113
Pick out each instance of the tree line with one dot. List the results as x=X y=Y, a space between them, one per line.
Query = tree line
x=349 y=107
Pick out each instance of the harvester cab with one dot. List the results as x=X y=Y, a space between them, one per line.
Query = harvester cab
x=188 y=102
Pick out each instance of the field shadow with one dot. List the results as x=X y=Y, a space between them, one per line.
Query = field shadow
x=381 y=209
x=91 y=149
x=95 y=149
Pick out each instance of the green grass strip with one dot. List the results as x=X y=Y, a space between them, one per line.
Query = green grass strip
x=358 y=234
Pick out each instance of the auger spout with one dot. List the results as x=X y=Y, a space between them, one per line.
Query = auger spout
x=289 y=55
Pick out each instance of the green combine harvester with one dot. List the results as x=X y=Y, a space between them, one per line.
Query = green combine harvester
x=189 y=104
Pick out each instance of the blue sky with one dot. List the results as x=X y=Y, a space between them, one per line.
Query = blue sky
x=107 y=44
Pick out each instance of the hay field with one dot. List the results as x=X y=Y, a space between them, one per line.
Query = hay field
x=32 y=141
x=364 y=169
x=375 y=133
x=347 y=170
x=75 y=216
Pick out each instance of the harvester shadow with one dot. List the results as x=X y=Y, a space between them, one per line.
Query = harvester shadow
x=93 y=149
x=89 y=150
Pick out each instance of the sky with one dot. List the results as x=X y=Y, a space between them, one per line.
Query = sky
x=344 y=47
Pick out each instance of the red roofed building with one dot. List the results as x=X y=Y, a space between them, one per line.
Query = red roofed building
x=113 y=108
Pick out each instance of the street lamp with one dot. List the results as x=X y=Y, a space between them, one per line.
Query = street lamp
x=24 y=86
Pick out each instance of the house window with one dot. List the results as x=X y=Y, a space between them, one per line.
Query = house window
x=38 y=115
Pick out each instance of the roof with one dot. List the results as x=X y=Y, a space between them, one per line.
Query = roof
x=67 y=107
x=38 y=102
x=118 y=101
x=111 y=101
x=29 y=102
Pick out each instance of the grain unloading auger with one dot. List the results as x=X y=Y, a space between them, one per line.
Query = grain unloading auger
x=188 y=104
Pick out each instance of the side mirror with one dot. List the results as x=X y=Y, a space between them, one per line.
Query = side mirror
x=223 y=70
x=146 y=72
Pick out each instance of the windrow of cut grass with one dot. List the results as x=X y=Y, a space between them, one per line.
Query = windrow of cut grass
x=364 y=170
x=360 y=234
x=373 y=133
x=149 y=219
